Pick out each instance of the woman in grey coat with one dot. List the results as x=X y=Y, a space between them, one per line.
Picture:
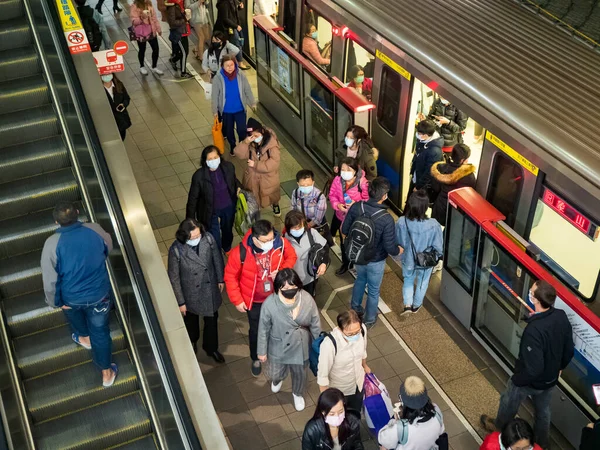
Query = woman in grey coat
x=196 y=274
x=289 y=320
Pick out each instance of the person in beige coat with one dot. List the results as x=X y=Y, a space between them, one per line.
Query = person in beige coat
x=261 y=150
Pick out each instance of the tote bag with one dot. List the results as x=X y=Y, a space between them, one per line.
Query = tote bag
x=217 y=134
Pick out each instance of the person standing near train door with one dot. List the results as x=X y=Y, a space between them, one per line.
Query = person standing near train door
x=428 y=151
x=450 y=121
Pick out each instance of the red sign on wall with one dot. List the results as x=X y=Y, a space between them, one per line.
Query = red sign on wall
x=568 y=212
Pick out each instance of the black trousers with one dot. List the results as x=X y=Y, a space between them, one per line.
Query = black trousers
x=336 y=225
x=142 y=51
x=210 y=336
x=253 y=319
x=355 y=401
x=180 y=52
x=311 y=287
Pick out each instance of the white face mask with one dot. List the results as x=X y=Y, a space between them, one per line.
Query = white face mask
x=349 y=142
x=193 y=242
x=297 y=233
x=335 y=421
x=107 y=78
x=213 y=163
x=305 y=189
x=266 y=246
x=444 y=102
x=259 y=139
x=347 y=175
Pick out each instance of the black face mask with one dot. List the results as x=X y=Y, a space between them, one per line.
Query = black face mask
x=216 y=45
x=289 y=293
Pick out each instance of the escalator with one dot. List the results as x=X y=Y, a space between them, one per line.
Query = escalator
x=67 y=407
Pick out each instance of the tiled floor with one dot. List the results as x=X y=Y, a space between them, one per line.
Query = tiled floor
x=171 y=125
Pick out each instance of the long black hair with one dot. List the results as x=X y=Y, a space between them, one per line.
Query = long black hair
x=514 y=431
x=206 y=152
x=416 y=205
x=288 y=276
x=424 y=414
x=327 y=400
x=220 y=36
x=185 y=229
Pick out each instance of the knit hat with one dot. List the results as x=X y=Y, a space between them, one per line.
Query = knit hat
x=414 y=393
x=253 y=125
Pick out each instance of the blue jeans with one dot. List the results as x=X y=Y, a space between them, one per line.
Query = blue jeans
x=92 y=320
x=412 y=298
x=512 y=398
x=369 y=275
x=237 y=41
x=230 y=120
x=221 y=227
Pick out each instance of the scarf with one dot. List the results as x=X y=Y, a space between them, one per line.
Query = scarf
x=230 y=76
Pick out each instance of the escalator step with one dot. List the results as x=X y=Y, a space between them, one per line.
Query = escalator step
x=19 y=62
x=15 y=34
x=102 y=426
x=29 y=313
x=11 y=9
x=50 y=350
x=76 y=388
x=21 y=276
x=29 y=125
x=32 y=158
x=143 y=443
x=24 y=234
x=37 y=193
x=24 y=93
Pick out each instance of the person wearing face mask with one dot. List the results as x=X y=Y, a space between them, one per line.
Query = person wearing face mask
x=343 y=359
x=213 y=195
x=297 y=232
x=428 y=151
x=119 y=101
x=195 y=268
x=289 y=321
x=357 y=144
x=250 y=273
x=545 y=350
x=307 y=198
x=333 y=426
x=310 y=47
x=363 y=86
x=261 y=177
x=348 y=187
x=516 y=435
x=213 y=55
x=450 y=122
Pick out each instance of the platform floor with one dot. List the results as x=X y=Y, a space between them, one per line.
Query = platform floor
x=171 y=125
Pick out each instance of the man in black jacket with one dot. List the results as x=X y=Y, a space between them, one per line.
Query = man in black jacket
x=545 y=350
x=384 y=239
x=450 y=121
x=428 y=151
x=228 y=22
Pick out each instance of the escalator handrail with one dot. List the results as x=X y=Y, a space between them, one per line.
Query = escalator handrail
x=159 y=348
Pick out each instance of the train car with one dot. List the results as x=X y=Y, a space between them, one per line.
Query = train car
x=527 y=94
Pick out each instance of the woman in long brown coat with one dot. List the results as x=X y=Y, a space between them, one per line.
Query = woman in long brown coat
x=261 y=150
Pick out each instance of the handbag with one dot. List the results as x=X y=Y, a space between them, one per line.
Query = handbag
x=427 y=258
x=217 y=134
x=143 y=32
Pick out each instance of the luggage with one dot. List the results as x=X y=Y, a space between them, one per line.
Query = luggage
x=217 y=134
x=378 y=405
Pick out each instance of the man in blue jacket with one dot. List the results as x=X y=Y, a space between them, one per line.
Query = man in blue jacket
x=384 y=244
x=76 y=280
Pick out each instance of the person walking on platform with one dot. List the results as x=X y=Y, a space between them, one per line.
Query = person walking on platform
x=343 y=360
x=196 y=273
x=94 y=26
x=545 y=350
x=146 y=28
x=228 y=22
x=200 y=20
x=289 y=321
x=119 y=100
x=250 y=273
x=116 y=8
x=230 y=96
x=307 y=198
x=304 y=239
x=213 y=55
x=516 y=435
x=428 y=151
x=76 y=279
x=348 y=187
x=369 y=273
x=261 y=150
x=415 y=233
x=213 y=195
x=357 y=144
x=177 y=17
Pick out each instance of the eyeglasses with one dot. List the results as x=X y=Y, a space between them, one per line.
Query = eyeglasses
x=351 y=334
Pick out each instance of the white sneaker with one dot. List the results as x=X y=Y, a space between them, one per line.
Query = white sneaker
x=299 y=403
x=157 y=71
x=275 y=388
x=439 y=266
x=143 y=71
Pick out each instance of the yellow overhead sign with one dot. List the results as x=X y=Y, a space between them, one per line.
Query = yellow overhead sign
x=68 y=15
x=512 y=153
x=394 y=65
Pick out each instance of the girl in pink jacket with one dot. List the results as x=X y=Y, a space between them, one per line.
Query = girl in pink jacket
x=146 y=28
x=348 y=187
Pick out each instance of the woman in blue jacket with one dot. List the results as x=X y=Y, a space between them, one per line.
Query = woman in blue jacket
x=414 y=233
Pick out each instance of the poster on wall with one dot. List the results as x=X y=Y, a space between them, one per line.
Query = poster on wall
x=74 y=33
x=284 y=70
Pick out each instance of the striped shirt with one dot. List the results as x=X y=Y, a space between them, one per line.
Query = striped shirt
x=313 y=205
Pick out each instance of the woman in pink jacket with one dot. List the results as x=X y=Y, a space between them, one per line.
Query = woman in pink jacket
x=146 y=28
x=348 y=187
x=310 y=47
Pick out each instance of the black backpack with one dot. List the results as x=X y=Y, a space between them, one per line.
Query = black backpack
x=91 y=27
x=360 y=243
x=317 y=255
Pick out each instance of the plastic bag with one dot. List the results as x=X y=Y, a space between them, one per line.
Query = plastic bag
x=217 y=134
x=378 y=405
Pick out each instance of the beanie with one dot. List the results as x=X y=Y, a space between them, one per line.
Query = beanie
x=414 y=393
x=253 y=125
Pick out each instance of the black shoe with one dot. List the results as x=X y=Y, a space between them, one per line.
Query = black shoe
x=342 y=270
x=256 y=368
x=232 y=153
x=276 y=211
x=216 y=356
x=186 y=75
x=173 y=63
x=487 y=423
x=415 y=310
x=407 y=310
x=99 y=7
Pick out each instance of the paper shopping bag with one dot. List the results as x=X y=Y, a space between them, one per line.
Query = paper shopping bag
x=217 y=134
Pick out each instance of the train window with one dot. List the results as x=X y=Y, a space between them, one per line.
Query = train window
x=461 y=232
x=284 y=76
x=566 y=253
x=319 y=119
x=359 y=68
x=316 y=38
x=389 y=100
x=289 y=18
x=505 y=186
x=262 y=57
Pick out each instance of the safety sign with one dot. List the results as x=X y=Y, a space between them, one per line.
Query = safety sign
x=74 y=32
x=108 y=61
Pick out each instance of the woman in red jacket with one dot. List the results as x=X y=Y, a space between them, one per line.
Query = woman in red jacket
x=516 y=435
x=250 y=273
